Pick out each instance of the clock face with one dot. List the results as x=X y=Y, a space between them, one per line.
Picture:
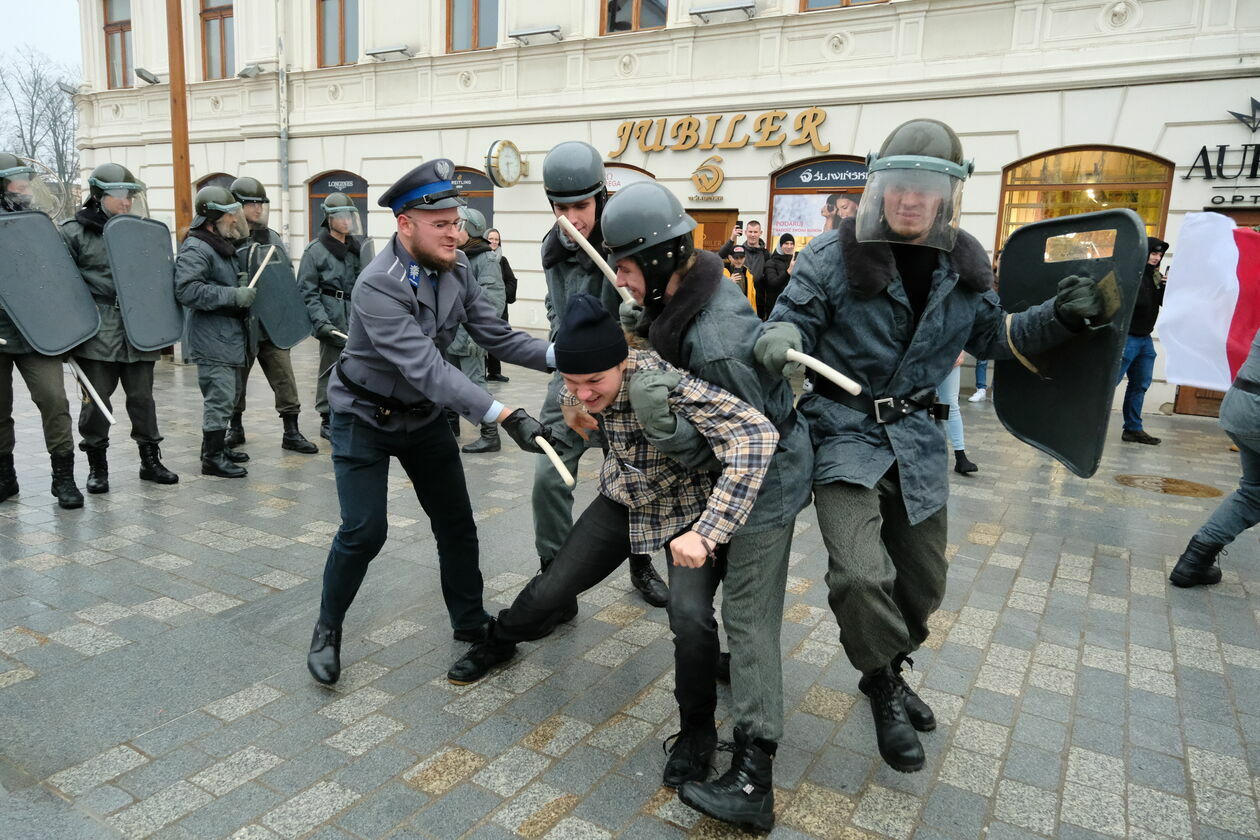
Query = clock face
x=504 y=163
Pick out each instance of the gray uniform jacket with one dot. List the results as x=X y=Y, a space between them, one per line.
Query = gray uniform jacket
x=205 y=282
x=1240 y=410
x=15 y=344
x=87 y=246
x=320 y=274
x=848 y=301
x=486 y=270
x=398 y=334
x=709 y=329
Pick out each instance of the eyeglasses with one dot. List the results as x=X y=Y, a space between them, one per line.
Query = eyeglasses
x=442 y=227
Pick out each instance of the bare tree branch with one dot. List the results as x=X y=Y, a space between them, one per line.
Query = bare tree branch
x=37 y=119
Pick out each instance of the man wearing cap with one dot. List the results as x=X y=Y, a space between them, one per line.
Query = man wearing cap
x=737 y=269
x=1139 y=348
x=387 y=394
x=755 y=252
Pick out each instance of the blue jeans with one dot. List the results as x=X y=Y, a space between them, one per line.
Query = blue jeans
x=948 y=394
x=1241 y=509
x=430 y=457
x=1139 y=365
x=982 y=373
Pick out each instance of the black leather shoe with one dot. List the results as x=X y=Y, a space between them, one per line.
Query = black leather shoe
x=1197 y=565
x=647 y=581
x=324 y=660
x=98 y=471
x=724 y=667
x=898 y=742
x=1139 y=436
x=744 y=794
x=293 y=440
x=479 y=660
x=8 y=478
x=919 y=712
x=497 y=377
x=690 y=754
x=472 y=634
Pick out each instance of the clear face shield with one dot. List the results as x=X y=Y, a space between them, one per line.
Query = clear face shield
x=256 y=213
x=24 y=191
x=122 y=198
x=232 y=225
x=344 y=221
x=912 y=199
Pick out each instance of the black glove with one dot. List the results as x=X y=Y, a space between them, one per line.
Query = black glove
x=325 y=333
x=524 y=429
x=1077 y=301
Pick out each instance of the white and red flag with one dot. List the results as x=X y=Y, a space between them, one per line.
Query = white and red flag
x=1211 y=302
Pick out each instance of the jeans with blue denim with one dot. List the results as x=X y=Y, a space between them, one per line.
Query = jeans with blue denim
x=1139 y=365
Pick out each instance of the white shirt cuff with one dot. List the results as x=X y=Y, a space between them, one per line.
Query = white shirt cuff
x=492 y=416
x=551 y=355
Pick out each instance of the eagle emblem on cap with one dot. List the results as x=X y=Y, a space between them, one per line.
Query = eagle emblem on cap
x=443 y=169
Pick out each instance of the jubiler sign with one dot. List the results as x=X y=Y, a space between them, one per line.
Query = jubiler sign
x=719 y=131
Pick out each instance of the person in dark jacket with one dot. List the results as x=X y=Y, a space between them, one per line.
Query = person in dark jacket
x=494 y=368
x=755 y=252
x=777 y=273
x=1139 y=348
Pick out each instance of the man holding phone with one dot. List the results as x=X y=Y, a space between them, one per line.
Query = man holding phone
x=755 y=253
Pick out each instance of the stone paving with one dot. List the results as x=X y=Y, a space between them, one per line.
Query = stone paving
x=152 y=679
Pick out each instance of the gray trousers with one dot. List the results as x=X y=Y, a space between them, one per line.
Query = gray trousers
x=885 y=577
x=1241 y=509
x=328 y=355
x=137 y=383
x=218 y=385
x=44 y=379
x=278 y=369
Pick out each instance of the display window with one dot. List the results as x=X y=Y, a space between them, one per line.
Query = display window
x=810 y=197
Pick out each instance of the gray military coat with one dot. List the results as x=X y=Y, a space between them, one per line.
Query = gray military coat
x=486 y=270
x=321 y=274
x=205 y=283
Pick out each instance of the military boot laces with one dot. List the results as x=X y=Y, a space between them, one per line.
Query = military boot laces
x=63 y=486
x=690 y=752
x=98 y=471
x=151 y=466
x=898 y=742
x=8 y=478
x=1197 y=564
x=294 y=440
x=744 y=794
x=919 y=712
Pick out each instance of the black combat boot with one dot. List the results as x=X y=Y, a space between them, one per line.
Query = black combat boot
x=481 y=658
x=98 y=471
x=690 y=753
x=236 y=456
x=898 y=742
x=236 y=432
x=151 y=466
x=488 y=442
x=724 y=667
x=293 y=440
x=919 y=712
x=1197 y=565
x=645 y=579
x=963 y=464
x=63 y=486
x=8 y=477
x=214 y=458
x=744 y=794
x=324 y=659
x=323 y=427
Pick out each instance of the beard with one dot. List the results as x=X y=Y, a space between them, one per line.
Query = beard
x=433 y=259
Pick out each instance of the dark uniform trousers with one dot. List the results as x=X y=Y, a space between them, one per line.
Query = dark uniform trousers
x=329 y=353
x=278 y=368
x=137 y=382
x=885 y=577
x=430 y=457
x=44 y=379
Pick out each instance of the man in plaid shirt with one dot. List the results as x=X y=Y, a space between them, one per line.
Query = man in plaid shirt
x=646 y=500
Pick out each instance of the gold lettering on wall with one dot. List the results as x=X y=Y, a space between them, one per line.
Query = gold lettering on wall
x=768 y=125
x=683 y=133
x=806 y=126
x=729 y=142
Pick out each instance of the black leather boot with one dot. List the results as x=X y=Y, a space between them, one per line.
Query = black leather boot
x=293 y=440
x=324 y=432
x=690 y=753
x=98 y=471
x=63 y=486
x=645 y=579
x=324 y=659
x=744 y=794
x=151 y=466
x=724 y=667
x=898 y=742
x=480 y=659
x=214 y=458
x=919 y=712
x=8 y=477
x=1197 y=565
x=236 y=432
x=488 y=442
x=236 y=456
x=963 y=464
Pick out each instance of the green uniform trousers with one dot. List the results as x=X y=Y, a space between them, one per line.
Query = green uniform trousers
x=137 y=383
x=218 y=385
x=329 y=353
x=46 y=383
x=278 y=368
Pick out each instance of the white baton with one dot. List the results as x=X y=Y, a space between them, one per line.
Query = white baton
x=826 y=370
x=259 y=272
x=91 y=392
x=554 y=457
x=600 y=263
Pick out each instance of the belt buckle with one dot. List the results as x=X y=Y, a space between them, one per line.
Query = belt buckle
x=880 y=406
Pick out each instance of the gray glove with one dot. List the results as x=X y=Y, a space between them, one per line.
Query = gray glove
x=245 y=296
x=649 y=397
x=325 y=334
x=771 y=348
x=524 y=429
x=1077 y=301
x=629 y=313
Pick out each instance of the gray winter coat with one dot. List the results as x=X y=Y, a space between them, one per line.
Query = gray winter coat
x=486 y=270
x=848 y=301
x=320 y=274
x=205 y=282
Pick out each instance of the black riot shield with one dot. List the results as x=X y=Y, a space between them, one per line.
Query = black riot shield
x=279 y=305
x=40 y=286
x=1060 y=401
x=143 y=264
x=367 y=250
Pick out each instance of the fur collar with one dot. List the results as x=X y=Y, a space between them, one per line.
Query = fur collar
x=338 y=248
x=870 y=265
x=220 y=245
x=474 y=246
x=697 y=288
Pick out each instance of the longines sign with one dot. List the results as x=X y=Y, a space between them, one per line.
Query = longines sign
x=720 y=131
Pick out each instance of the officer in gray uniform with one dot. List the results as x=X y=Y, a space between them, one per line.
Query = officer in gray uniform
x=207 y=281
x=19 y=190
x=573 y=178
x=273 y=360
x=330 y=265
x=108 y=358
x=387 y=394
x=465 y=353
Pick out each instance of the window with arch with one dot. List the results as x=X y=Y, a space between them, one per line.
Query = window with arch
x=1082 y=179
x=324 y=185
x=477 y=190
x=809 y=197
x=218 y=179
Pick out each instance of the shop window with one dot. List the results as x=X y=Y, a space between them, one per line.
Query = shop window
x=338 y=27
x=323 y=186
x=819 y=5
x=471 y=25
x=218 y=54
x=118 y=57
x=218 y=179
x=633 y=15
x=810 y=197
x=477 y=190
x=1081 y=179
x=618 y=175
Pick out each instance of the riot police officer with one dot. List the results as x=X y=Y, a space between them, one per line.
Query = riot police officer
x=464 y=353
x=108 y=358
x=21 y=190
x=207 y=281
x=330 y=265
x=274 y=361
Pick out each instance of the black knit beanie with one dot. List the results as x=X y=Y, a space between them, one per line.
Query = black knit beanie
x=589 y=339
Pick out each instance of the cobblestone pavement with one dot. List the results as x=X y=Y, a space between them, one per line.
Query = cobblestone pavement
x=152 y=680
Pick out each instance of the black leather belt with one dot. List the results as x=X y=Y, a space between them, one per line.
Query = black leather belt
x=1247 y=385
x=886 y=409
x=385 y=406
x=336 y=293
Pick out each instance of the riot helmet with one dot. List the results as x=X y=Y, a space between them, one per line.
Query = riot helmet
x=21 y=188
x=474 y=222
x=117 y=191
x=253 y=197
x=572 y=171
x=646 y=223
x=218 y=208
x=341 y=215
x=914 y=187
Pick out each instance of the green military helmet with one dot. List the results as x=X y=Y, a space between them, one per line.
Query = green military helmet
x=115 y=179
x=340 y=209
x=645 y=222
x=572 y=171
x=924 y=138
x=211 y=202
x=249 y=189
x=475 y=224
x=19 y=188
x=11 y=164
x=337 y=203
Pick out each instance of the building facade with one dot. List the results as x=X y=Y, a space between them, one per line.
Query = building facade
x=760 y=109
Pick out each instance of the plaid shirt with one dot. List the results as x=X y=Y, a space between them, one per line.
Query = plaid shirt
x=664 y=497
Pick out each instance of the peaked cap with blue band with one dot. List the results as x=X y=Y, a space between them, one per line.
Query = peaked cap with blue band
x=427 y=187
